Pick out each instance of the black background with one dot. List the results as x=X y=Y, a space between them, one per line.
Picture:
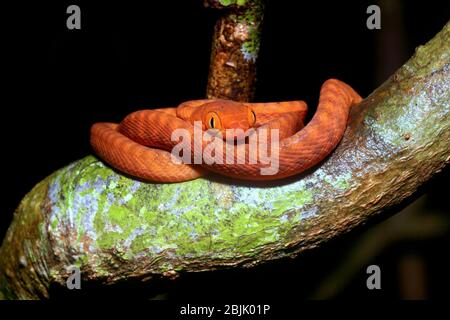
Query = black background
x=134 y=55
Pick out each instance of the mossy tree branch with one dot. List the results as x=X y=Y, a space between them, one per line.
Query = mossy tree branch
x=115 y=228
x=235 y=49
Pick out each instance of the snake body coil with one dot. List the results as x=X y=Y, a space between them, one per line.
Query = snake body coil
x=140 y=145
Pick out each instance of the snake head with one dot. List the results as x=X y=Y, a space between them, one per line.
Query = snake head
x=228 y=117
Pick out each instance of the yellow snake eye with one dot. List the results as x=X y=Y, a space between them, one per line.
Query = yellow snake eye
x=213 y=121
x=251 y=117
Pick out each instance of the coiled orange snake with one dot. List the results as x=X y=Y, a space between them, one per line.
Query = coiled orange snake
x=141 y=144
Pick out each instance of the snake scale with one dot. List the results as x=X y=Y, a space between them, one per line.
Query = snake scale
x=141 y=144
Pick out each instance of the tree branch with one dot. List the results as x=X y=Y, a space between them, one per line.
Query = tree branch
x=235 y=49
x=115 y=228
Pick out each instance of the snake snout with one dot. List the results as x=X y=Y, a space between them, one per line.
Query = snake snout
x=237 y=129
x=238 y=124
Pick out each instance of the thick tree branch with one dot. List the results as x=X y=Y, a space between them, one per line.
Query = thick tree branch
x=115 y=228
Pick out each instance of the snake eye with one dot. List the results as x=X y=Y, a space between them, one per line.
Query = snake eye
x=251 y=117
x=213 y=121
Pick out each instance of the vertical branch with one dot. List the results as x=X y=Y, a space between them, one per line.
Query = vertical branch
x=235 y=49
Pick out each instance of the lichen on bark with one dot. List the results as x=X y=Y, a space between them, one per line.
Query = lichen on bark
x=235 y=49
x=116 y=228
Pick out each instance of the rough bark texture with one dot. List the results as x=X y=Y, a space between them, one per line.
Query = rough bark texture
x=115 y=228
x=235 y=49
